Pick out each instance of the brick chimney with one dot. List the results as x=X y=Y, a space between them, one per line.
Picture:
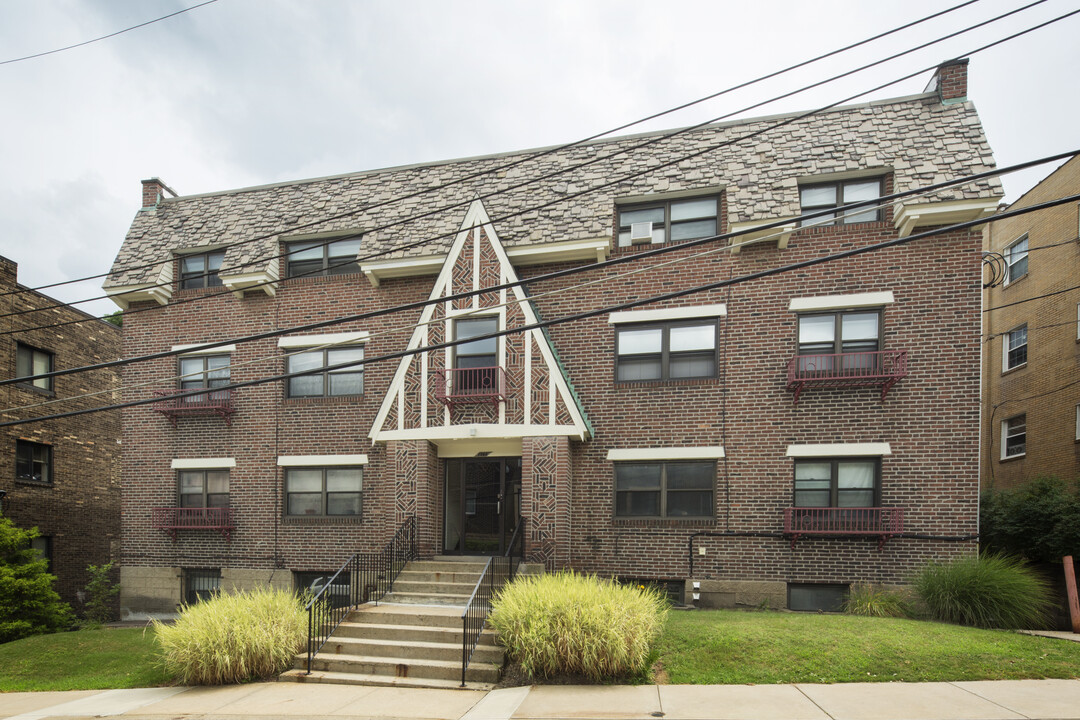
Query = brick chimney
x=950 y=81
x=153 y=190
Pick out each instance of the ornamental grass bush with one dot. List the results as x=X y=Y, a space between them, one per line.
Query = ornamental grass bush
x=876 y=601
x=233 y=638
x=988 y=591
x=578 y=624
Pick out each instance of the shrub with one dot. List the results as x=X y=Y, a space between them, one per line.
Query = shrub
x=990 y=591
x=231 y=638
x=876 y=601
x=101 y=591
x=1039 y=520
x=578 y=624
x=28 y=603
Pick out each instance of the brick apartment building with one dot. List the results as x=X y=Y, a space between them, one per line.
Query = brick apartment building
x=61 y=476
x=769 y=441
x=1031 y=364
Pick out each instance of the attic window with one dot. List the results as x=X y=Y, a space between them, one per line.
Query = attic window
x=822 y=196
x=314 y=258
x=668 y=221
x=201 y=271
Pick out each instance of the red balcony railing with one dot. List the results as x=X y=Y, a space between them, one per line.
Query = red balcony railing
x=882 y=368
x=173 y=519
x=462 y=386
x=174 y=403
x=880 y=522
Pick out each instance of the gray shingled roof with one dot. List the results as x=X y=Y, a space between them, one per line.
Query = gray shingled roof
x=920 y=139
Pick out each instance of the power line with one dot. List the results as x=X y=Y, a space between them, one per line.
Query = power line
x=554 y=274
x=106 y=37
x=617 y=180
x=560 y=148
x=579 y=316
x=1037 y=297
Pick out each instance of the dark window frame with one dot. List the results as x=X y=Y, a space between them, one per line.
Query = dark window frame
x=843 y=589
x=207 y=277
x=191 y=382
x=840 y=204
x=834 y=480
x=458 y=354
x=21 y=351
x=665 y=354
x=1013 y=358
x=28 y=447
x=838 y=329
x=327 y=389
x=205 y=495
x=323 y=502
x=328 y=265
x=663 y=490
x=1011 y=262
x=44 y=546
x=665 y=205
x=209 y=577
x=1008 y=437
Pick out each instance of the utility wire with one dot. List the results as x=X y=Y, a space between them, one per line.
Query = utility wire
x=634 y=257
x=581 y=315
x=653 y=140
x=552 y=150
x=106 y=37
x=1036 y=297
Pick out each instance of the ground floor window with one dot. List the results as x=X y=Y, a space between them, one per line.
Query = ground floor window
x=674 y=589
x=312 y=581
x=200 y=584
x=816 y=597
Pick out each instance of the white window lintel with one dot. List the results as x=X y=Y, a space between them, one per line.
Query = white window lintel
x=202 y=463
x=839 y=450
x=345 y=338
x=841 y=302
x=201 y=349
x=320 y=460
x=714 y=452
x=664 y=314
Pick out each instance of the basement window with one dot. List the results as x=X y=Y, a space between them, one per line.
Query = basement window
x=815 y=597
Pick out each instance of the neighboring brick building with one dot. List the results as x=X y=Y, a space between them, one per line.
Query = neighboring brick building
x=62 y=476
x=633 y=443
x=1031 y=362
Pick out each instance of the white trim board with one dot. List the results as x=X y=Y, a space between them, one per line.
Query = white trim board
x=202 y=463
x=840 y=450
x=345 y=338
x=677 y=313
x=714 y=452
x=841 y=302
x=320 y=460
x=195 y=349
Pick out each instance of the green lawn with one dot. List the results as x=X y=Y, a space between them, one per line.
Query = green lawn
x=82 y=660
x=731 y=646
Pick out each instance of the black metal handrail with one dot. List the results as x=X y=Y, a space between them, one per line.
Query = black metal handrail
x=497 y=571
x=369 y=577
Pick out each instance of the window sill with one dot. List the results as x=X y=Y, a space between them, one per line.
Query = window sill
x=35 y=389
x=1014 y=368
x=332 y=400
x=666 y=383
x=319 y=279
x=1009 y=284
x=322 y=520
x=199 y=292
x=663 y=522
x=824 y=229
x=1010 y=458
x=35 y=483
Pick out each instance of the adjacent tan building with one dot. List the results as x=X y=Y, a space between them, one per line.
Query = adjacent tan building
x=1031 y=339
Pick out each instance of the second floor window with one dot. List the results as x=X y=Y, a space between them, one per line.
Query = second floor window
x=823 y=196
x=668 y=221
x=341 y=382
x=666 y=352
x=201 y=271
x=204 y=488
x=836 y=483
x=33 y=462
x=1016 y=260
x=1015 y=350
x=30 y=361
x=1014 y=437
x=854 y=336
x=319 y=257
x=204 y=371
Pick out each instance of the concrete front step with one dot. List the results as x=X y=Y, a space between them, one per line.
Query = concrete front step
x=444 y=599
x=390 y=614
x=403 y=667
x=415 y=633
x=444 y=566
x=317 y=676
x=410 y=650
x=434 y=588
x=438 y=576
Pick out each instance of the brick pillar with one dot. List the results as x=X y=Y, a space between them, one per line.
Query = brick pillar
x=416 y=488
x=950 y=81
x=545 y=500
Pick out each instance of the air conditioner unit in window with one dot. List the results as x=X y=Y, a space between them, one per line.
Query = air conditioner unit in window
x=641 y=232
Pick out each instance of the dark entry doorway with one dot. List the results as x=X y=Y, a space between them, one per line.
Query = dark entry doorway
x=483 y=505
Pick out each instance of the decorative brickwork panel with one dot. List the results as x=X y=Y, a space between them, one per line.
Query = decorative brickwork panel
x=463 y=274
x=541 y=387
x=545 y=498
x=406 y=469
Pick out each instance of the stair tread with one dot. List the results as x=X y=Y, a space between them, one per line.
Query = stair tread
x=390 y=608
x=441 y=629
x=388 y=660
x=379 y=680
x=400 y=643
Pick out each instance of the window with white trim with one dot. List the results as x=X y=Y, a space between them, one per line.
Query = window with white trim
x=822 y=196
x=30 y=361
x=1078 y=422
x=1016 y=260
x=1014 y=348
x=664 y=489
x=666 y=351
x=1014 y=437
x=668 y=220
x=323 y=492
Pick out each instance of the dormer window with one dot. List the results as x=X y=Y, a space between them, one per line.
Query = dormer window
x=201 y=271
x=668 y=221
x=315 y=258
x=823 y=196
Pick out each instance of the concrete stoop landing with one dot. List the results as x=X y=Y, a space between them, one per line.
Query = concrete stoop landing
x=412 y=638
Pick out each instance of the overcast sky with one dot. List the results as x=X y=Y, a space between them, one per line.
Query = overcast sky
x=247 y=92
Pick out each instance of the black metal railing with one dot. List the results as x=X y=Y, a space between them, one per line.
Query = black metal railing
x=365 y=577
x=497 y=571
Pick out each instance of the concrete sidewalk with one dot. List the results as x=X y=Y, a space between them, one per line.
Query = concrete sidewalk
x=982 y=700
